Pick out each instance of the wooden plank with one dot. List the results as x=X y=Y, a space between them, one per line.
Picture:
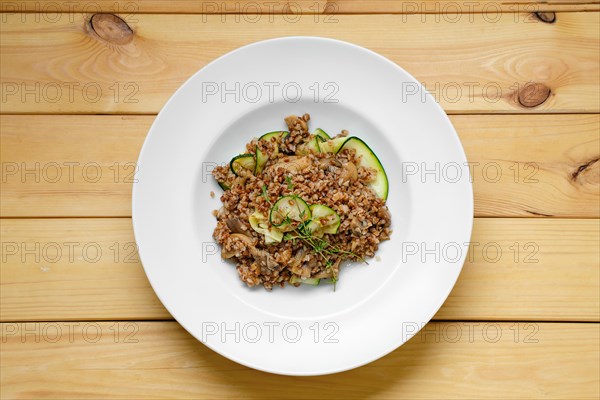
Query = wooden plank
x=161 y=360
x=69 y=165
x=528 y=171
x=299 y=6
x=63 y=66
x=73 y=269
x=533 y=165
x=529 y=269
x=517 y=269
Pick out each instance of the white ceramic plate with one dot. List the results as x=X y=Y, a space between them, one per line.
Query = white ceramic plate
x=306 y=330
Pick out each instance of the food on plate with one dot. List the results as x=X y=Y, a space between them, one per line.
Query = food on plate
x=297 y=204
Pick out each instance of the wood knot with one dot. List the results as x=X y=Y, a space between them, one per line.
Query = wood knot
x=533 y=94
x=547 y=17
x=111 y=28
x=587 y=172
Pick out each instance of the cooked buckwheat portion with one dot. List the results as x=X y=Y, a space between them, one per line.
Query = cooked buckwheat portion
x=333 y=180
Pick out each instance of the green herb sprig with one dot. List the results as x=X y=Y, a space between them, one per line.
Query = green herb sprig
x=288 y=180
x=265 y=194
x=320 y=246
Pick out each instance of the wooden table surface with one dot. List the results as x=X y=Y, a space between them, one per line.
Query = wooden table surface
x=81 y=87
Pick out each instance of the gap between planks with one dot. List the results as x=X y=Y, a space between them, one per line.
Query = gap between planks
x=158 y=42
x=557 y=280
x=550 y=361
x=559 y=146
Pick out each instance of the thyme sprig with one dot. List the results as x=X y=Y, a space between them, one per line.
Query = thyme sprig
x=321 y=247
x=265 y=194
x=288 y=180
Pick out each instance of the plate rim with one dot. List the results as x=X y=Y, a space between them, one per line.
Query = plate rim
x=455 y=137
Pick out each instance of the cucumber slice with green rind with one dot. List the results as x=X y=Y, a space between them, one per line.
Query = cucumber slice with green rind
x=333 y=145
x=262 y=158
x=245 y=161
x=288 y=209
x=259 y=223
x=224 y=186
x=311 y=146
x=321 y=133
x=327 y=219
x=368 y=159
x=320 y=141
x=306 y=281
x=324 y=220
x=269 y=135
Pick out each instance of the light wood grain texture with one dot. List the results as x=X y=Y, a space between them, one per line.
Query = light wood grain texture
x=529 y=269
x=535 y=155
x=518 y=269
x=533 y=165
x=473 y=64
x=551 y=273
x=73 y=269
x=297 y=6
x=161 y=360
x=69 y=165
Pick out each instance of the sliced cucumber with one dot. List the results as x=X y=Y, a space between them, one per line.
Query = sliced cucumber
x=320 y=142
x=322 y=134
x=369 y=159
x=324 y=220
x=261 y=160
x=224 y=185
x=287 y=210
x=333 y=145
x=243 y=161
x=261 y=157
x=312 y=146
x=306 y=281
x=269 y=135
x=259 y=223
